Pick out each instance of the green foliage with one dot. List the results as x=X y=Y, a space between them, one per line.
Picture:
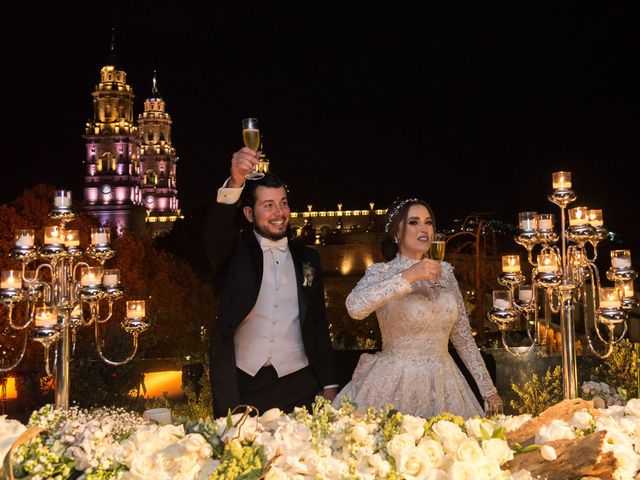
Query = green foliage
x=241 y=462
x=196 y=406
x=538 y=394
x=620 y=369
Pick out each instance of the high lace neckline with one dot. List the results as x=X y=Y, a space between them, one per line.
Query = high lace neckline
x=402 y=260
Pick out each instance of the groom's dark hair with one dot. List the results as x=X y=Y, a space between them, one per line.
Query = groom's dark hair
x=270 y=180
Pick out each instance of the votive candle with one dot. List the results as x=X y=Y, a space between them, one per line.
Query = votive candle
x=62 y=198
x=100 y=236
x=24 y=238
x=72 y=238
x=547 y=263
x=45 y=316
x=595 y=218
x=53 y=235
x=90 y=276
x=621 y=258
x=11 y=279
x=135 y=309
x=111 y=277
x=527 y=221
x=525 y=293
x=578 y=216
x=510 y=263
x=502 y=299
x=545 y=221
x=609 y=297
x=561 y=180
x=627 y=289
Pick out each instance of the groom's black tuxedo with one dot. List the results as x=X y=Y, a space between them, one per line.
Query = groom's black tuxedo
x=237 y=263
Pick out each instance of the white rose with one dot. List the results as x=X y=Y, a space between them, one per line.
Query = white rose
x=487 y=469
x=413 y=464
x=380 y=465
x=548 y=453
x=513 y=423
x=462 y=471
x=628 y=462
x=633 y=407
x=433 y=450
x=125 y=452
x=270 y=416
x=615 y=411
x=475 y=426
x=556 y=430
x=275 y=473
x=193 y=442
x=399 y=444
x=168 y=434
x=142 y=466
x=449 y=434
x=468 y=451
x=207 y=467
x=498 y=450
x=359 y=432
x=414 y=426
x=165 y=461
x=582 y=420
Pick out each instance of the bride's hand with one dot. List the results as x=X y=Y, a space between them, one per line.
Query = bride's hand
x=494 y=402
x=425 y=269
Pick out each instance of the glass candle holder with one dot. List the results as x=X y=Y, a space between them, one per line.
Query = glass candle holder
x=24 y=238
x=502 y=299
x=111 y=277
x=595 y=218
x=621 y=258
x=578 y=216
x=62 y=199
x=90 y=276
x=545 y=222
x=72 y=238
x=561 y=180
x=53 y=235
x=11 y=279
x=627 y=289
x=525 y=293
x=45 y=317
x=527 y=221
x=100 y=236
x=510 y=263
x=135 y=309
x=547 y=263
x=609 y=298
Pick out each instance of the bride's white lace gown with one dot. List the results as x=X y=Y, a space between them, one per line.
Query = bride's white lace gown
x=414 y=370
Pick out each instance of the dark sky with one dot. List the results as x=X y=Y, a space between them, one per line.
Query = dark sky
x=470 y=105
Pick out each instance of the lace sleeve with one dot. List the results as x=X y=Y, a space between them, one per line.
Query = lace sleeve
x=463 y=340
x=374 y=290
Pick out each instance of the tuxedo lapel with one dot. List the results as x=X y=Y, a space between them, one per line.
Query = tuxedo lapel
x=255 y=252
x=298 y=259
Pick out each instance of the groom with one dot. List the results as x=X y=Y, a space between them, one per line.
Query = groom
x=270 y=344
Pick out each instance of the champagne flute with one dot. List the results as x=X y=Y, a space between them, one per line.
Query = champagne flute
x=437 y=249
x=251 y=137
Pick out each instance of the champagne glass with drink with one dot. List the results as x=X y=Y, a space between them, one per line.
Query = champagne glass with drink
x=251 y=137
x=437 y=249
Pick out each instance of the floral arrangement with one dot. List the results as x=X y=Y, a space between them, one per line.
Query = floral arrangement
x=325 y=443
x=602 y=394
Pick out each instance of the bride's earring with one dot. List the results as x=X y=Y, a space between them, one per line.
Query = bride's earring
x=395 y=239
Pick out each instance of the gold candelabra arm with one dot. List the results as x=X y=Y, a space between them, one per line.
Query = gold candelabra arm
x=509 y=348
x=609 y=344
x=112 y=362
x=109 y=314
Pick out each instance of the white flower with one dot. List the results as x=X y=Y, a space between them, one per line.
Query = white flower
x=548 y=453
x=380 y=465
x=633 y=407
x=414 y=426
x=449 y=434
x=462 y=471
x=399 y=444
x=476 y=425
x=468 y=451
x=10 y=430
x=142 y=466
x=275 y=473
x=413 y=465
x=359 y=432
x=433 y=450
x=512 y=423
x=556 y=430
x=270 y=416
x=498 y=450
x=582 y=420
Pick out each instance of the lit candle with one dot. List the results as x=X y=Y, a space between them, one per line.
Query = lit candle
x=545 y=221
x=627 y=288
x=561 y=180
x=609 y=298
x=111 y=278
x=510 y=263
x=595 y=218
x=25 y=238
x=578 y=216
x=135 y=309
x=527 y=221
x=525 y=293
x=90 y=277
x=11 y=279
x=621 y=258
x=72 y=238
x=99 y=236
x=45 y=316
x=62 y=198
x=547 y=263
x=53 y=235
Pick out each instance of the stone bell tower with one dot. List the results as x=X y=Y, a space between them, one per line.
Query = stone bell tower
x=157 y=162
x=112 y=172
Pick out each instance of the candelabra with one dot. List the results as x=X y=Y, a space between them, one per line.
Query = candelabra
x=54 y=285
x=567 y=277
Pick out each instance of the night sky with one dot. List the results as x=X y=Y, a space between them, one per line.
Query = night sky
x=468 y=105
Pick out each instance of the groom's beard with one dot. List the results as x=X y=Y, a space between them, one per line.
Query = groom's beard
x=271 y=235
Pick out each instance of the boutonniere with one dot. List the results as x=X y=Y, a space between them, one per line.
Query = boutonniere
x=308 y=272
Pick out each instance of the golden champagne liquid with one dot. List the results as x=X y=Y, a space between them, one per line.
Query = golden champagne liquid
x=251 y=137
x=436 y=250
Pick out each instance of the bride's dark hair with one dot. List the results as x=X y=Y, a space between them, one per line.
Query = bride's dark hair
x=397 y=214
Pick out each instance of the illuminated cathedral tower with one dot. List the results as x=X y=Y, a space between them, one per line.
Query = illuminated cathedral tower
x=157 y=165
x=112 y=174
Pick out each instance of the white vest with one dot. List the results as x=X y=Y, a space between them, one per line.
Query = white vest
x=271 y=334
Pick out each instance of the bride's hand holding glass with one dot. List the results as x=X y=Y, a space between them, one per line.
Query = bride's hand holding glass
x=425 y=269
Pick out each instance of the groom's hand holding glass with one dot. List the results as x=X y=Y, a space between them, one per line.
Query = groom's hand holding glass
x=242 y=164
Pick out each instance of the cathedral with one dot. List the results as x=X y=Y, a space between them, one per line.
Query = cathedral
x=130 y=166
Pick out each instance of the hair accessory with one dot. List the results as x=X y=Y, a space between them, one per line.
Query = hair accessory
x=395 y=211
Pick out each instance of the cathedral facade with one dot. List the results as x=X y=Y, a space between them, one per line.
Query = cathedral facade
x=130 y=167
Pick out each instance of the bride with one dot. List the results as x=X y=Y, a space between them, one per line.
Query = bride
x=419 y=309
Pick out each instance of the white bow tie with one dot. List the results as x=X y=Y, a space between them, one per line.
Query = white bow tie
x=267 y=244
